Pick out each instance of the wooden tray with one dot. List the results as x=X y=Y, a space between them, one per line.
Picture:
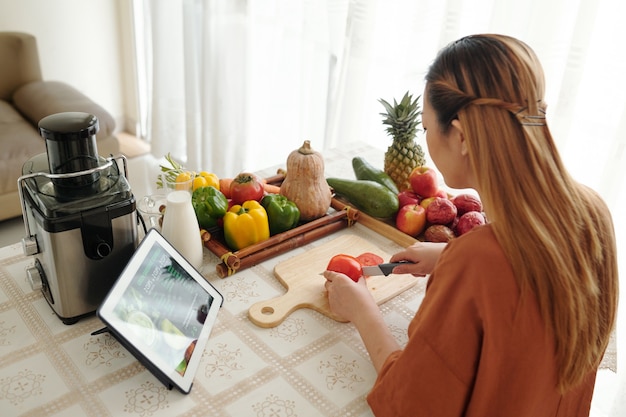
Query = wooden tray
x=305 y=286
x=233 y=261
x=344 y=215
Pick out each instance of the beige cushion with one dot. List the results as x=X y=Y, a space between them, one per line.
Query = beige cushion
x=39 y=99
x=20 y=50
x=19 y=142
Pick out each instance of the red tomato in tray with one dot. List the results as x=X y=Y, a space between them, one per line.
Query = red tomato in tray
x=246 y=186
x=369 y=259
x=346 y=264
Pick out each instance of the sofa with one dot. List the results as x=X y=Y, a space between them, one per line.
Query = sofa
x=26 y=98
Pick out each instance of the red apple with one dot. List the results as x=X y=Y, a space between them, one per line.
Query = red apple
x=408 y=197
x=441 y=211
x=438 y=233
x=425 y=202
x=441 y=193
x=467 y=202
x=423 y=181
x=454 y=222
x=468 y=221
x=411 y=219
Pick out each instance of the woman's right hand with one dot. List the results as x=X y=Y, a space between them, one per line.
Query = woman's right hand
x=421 y=257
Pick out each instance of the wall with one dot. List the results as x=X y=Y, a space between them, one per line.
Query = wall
x=86 y=44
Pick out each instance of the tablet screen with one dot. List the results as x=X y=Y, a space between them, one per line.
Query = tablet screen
x=163 y=308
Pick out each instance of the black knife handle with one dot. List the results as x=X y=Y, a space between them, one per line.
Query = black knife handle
x=388 y=267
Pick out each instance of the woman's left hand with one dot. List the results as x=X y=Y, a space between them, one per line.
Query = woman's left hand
x=348 y=299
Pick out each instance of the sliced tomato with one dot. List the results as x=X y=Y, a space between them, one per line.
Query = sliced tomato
x=369 y=259
x=347 y=265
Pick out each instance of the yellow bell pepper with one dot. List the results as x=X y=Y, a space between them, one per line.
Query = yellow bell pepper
x=211 y=179
x=245 y=225
x=205 y=179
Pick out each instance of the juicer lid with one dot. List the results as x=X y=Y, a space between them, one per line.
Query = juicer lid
x=68 y=125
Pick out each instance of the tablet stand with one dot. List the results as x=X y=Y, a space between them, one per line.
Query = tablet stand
x=153 y=369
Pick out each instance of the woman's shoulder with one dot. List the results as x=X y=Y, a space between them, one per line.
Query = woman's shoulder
x=475 y=259
x=479 y=244
x=596 y=204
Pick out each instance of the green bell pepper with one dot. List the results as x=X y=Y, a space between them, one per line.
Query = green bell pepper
x=210 y=206
x=282 y=213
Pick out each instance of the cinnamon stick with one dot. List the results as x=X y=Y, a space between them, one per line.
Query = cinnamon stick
x=296 y=241
x=277 y=178
x=313 y=224
x=378 y=226
x=216 y=246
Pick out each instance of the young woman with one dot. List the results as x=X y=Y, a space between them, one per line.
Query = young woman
x=517 y=313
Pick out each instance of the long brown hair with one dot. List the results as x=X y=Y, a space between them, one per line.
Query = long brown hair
x=557 y=234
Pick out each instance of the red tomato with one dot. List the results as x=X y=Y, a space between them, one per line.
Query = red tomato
x=246 y=186
x=369 y=259
x=346 y=264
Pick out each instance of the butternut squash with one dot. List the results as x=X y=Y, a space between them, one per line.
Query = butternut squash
x=305 y=184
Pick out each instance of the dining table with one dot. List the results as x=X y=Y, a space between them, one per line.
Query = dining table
x=307 y=365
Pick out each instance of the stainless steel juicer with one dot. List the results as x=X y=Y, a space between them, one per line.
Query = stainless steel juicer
x=79 y=215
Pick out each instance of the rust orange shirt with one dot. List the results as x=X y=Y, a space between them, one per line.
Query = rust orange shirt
x=476 y=347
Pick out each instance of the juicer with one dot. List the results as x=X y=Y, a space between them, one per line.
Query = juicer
x=79 y=215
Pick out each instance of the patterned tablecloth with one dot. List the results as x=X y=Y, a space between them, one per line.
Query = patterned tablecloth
x=309 y=365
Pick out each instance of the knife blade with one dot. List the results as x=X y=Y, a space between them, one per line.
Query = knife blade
x=381 y=269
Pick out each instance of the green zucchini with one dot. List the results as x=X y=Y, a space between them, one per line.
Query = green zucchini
x=363 y=170
x=368 y=196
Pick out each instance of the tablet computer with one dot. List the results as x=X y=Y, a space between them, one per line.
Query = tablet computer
x=162 y=310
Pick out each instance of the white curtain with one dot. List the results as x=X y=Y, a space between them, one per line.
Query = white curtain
x=235 y=85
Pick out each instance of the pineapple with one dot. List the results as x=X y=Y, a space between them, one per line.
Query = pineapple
x=403 y=155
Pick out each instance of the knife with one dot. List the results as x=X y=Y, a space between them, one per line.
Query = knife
x=381 y=269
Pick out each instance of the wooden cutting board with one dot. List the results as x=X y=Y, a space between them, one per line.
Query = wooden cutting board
x=305 y=286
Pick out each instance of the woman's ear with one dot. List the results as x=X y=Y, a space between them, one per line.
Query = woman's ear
x=458 y=136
